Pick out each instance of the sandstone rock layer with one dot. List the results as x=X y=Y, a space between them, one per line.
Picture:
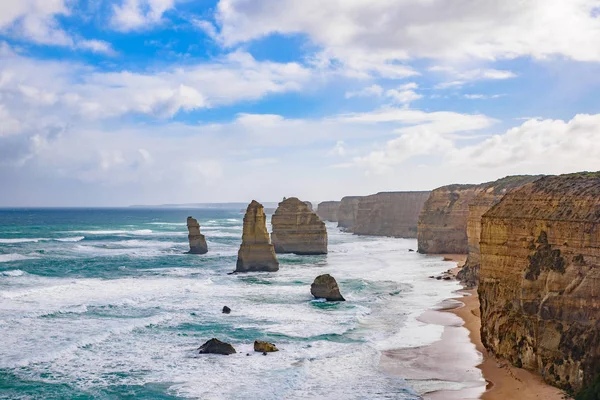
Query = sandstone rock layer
x=328 y=210
x=442 y=226
x=297 y=229
x=197 y=240
x=347 y=212
x=540 y=278
x=326 y=287
x=264 y=347
x=256 y=252
x=389 y=214
x=486 y=199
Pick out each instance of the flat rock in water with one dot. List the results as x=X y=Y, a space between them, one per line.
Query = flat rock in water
x=326 y=287
x=226 y=310
x=215 y=346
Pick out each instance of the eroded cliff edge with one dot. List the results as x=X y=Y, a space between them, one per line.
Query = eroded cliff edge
x=393 y=214
x=297 y=229
x=479 y=205
x=328 y=210
x=442 y=226
x=540 y=278
x=347 y=212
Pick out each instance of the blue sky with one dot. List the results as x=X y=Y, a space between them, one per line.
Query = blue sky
x=116 y=102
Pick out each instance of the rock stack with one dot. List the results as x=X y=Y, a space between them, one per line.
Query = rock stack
x=540 y=278
x=297 y=229
x=256 y=252
x=197 y=240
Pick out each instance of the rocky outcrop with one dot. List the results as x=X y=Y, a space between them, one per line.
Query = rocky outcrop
x=393 y=214
x=264 y=347
x=540 y=278
x=490 y=196
x=215 y=346
x=326 y=287
x=442 y=226
x=197 y=240
x=328 y=210
x=297 y=229
x=347 y=212
x=256 y=252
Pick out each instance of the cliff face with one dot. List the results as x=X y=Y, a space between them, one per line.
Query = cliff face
x=328 y=210
x=297 y=229
x=197 y=240
x=442 y=226
x=256 y=252
x=347 y=212
x=486 y=199
x=389 y=214
x=540 y=278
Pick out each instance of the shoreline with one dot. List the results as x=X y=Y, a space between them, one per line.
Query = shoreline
x=502 y=380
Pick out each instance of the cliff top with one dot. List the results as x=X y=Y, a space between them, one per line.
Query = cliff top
x=571 y=197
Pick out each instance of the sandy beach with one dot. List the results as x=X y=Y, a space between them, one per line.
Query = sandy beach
x=451 y=359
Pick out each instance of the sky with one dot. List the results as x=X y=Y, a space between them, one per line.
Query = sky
x=119 y=102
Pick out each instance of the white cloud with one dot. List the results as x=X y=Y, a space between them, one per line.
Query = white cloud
x=376 y=37
x=373 y=90
x=139 y=14
x=73 y=90
x=477 y=96
x=460 y=77
x=539 y=146
x=339 y=149
x=402 y=96
x=36 y=21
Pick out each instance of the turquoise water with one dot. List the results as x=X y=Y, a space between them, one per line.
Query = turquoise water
x=104 y=304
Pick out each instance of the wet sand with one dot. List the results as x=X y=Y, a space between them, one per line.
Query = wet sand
x=460 y=357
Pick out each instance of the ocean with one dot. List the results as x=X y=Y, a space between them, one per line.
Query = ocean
x=105 y=304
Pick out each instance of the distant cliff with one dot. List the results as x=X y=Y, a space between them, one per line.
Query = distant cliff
x=328 y=210
x=389 y=214
x=490 y=196
x=442 y=226
x=347 y=212
x=540 y=278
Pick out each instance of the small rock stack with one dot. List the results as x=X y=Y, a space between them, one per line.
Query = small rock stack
x=197 y=240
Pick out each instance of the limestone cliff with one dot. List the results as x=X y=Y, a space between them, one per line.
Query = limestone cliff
x=256 y=252
x=540 y=278
x=347 y=212
x=197 y=240
x=442 y=226
x=490 y=196
x=297 y=229
x=389 y=214
x=328 y=210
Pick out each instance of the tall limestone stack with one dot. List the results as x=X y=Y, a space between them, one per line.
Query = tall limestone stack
x=393 y=214
x=328 y=210
x=297 y=229
x=540 y=278
x=197 y=240
x=347 y=212
x=442 y=226
x=256 y=252
x=495 y=191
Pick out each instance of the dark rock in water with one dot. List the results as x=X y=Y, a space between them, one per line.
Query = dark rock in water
x=247 y=354
x=326 y=287
x=410 y=250
x=432 y=277
x=226 y=310
x=264 y=347
x=197 y=240
x=439 y=278
x=447 y=278
x=215 y=346
x=264 y=353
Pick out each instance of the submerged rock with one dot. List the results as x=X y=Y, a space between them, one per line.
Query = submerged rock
x=256 y=252
x=326 y=287
x=197 y=240
x=215 y=346
x=226 y=310
x=297 y=229
x=264 y=347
